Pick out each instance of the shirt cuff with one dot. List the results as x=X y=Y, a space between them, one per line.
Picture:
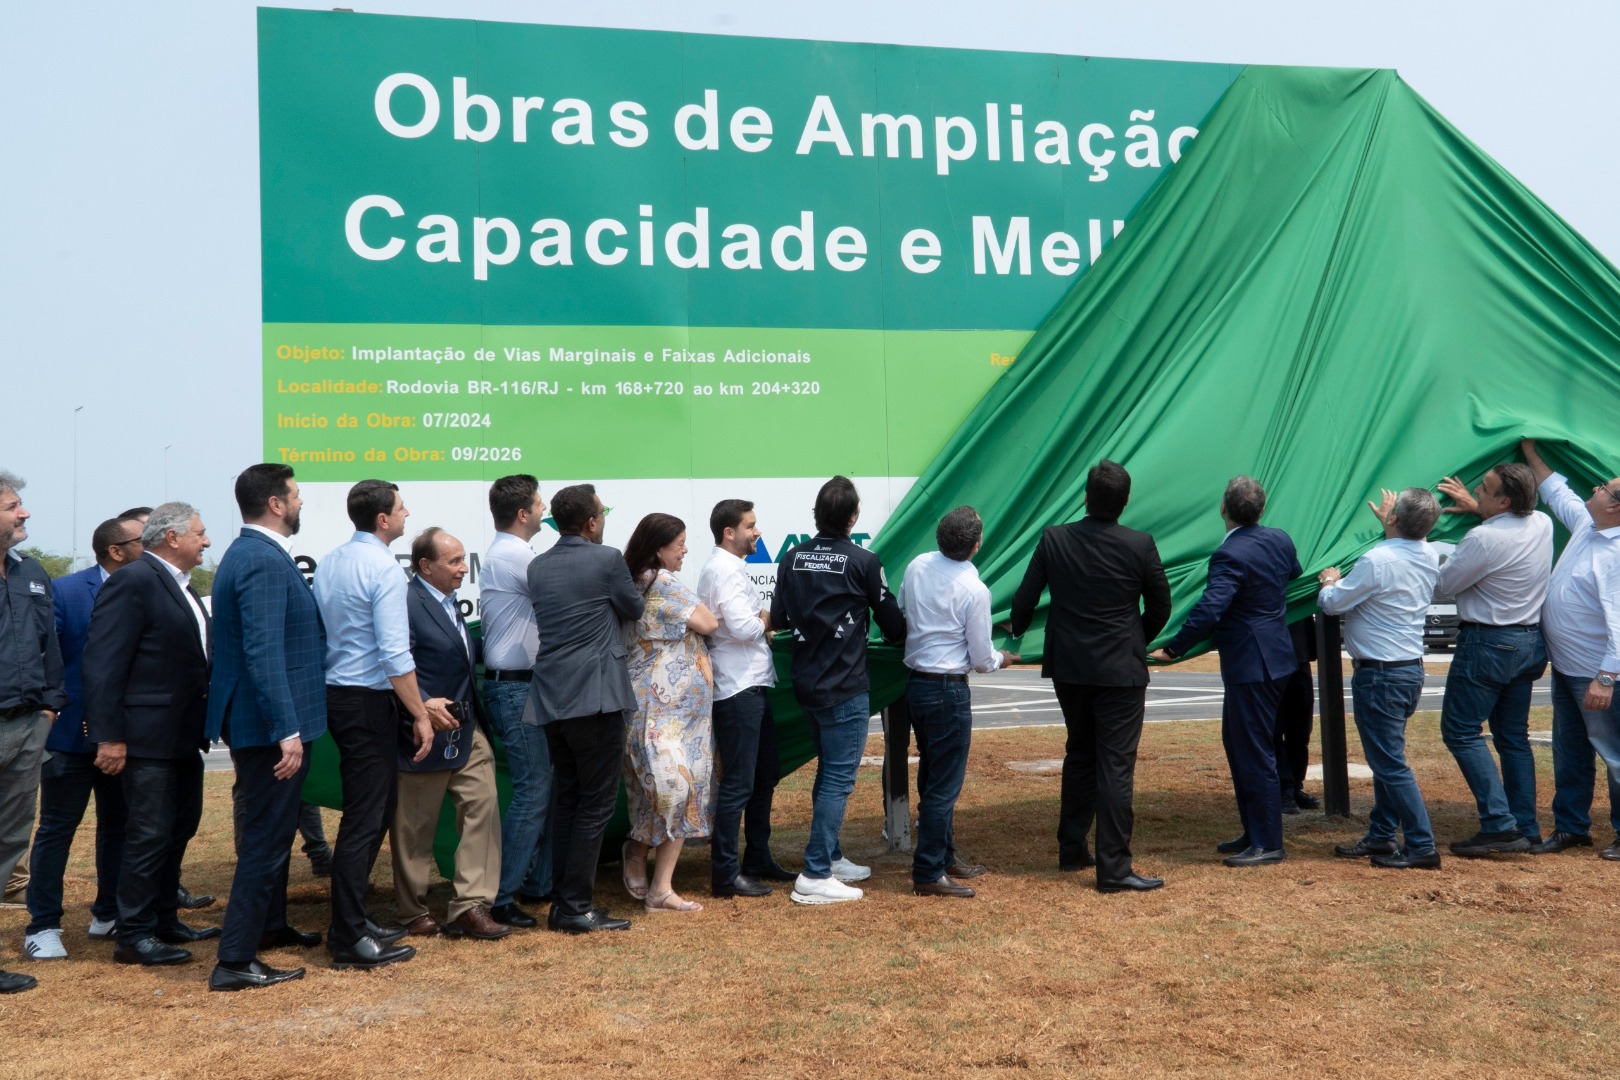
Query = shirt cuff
x=395 y=666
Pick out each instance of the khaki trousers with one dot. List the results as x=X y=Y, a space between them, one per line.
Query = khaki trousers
x=478 y=818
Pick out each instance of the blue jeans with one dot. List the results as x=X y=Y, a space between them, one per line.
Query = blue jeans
x=1384 y=699
x=1490 y=680
x=65 y=785
x=839 y=734
x=525 y=840
x=1575 y=734
x=944 y=712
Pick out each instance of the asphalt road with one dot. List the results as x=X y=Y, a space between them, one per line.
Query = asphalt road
x=1021 y=698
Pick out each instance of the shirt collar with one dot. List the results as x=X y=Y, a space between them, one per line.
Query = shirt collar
x=105 y=573
x=283 y=542
x=724 y=556
x=175 y=572
x=435 y=593
x=503 y=537
x=368 y=538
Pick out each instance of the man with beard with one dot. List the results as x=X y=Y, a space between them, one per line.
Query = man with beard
x=267 y=699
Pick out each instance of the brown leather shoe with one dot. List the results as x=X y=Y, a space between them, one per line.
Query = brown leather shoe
x=962 y=871
x=424 y=925
x=944 y=886
x=476 y=923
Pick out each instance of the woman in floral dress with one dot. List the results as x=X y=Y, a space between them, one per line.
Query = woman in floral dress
x=669 y=747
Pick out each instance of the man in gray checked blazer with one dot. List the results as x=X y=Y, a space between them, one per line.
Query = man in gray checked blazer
x=580 y=694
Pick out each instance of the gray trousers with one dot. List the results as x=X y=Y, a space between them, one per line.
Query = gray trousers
x=22 y=752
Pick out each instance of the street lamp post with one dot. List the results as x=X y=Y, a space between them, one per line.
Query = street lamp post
x=75 y=546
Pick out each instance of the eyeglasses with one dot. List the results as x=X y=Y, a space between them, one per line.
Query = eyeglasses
x=131 y=540
x=451 y=738
x=1607 y=490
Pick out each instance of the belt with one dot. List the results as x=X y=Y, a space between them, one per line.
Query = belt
x=510 y=676
x=1384 y=663
x=939 y=677
x=19 y=711
x=1493 y=626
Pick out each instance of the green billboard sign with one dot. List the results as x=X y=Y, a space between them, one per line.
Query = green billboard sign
x=635 y=255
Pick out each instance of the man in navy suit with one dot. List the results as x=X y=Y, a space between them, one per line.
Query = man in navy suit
x=461 y=763
x=70 y=777
x=146 y=698
x=267 y=699
x=1245 y=606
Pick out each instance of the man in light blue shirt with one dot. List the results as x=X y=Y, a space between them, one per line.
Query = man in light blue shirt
x=1581 y=622
x=370 y=678
x=1384 y=599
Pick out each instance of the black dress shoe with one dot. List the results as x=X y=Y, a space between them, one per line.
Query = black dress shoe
x=1363 y=848
x=1289 y=806
x=771 y=872
x=942 y=886
x=741 y=885
x=1133 y=882
x=287 y=936
x=178 y=933
x=15 y=982
x=1406 y=860
x=149 y=951
x=186 y=900
x=1072 y=866
x=257 y=974
x=1559 y=840
x=586 y=924
x=384 y=935
x=1234 y=845
x=1612 y=852
x=1482 y=843
x=1306 y=801
x=320 y=861
x=368 y=953
x=533 y=899
x=1256 y=856
x=512 y=915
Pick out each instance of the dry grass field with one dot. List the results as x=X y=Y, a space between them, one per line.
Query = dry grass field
x=1317 y=968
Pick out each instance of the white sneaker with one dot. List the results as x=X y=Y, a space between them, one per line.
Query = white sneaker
x=44 y=945
x=823 y=891
x=846 y=871
x=102 y=929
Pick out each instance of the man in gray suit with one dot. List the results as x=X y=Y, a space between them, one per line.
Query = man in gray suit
x=581 y=692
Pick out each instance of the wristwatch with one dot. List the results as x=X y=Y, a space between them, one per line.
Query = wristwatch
x=1605 y=680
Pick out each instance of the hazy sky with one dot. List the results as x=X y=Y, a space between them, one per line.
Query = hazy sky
x=129 y=283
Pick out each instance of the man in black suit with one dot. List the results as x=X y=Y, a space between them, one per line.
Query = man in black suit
x=1109 y=599
x=461 y=763
x=581 y=692
x=146 y=667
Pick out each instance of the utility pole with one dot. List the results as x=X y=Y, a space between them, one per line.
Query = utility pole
x=75 y=545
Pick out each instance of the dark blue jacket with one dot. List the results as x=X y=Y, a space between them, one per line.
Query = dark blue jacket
x=1245 y=607
x=73 y=598
x=444 y=669
x=269 y=676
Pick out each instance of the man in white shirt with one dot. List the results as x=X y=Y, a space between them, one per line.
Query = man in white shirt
x=947 y=612
x=1499 y=576
x=510 y=642
x=744 y=729
x=1384 y=601
x=1581 y=623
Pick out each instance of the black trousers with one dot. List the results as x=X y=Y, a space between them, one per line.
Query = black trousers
x=266 y=813
x=745 y=744
x=587 y=755
x=1099 y=773
x=1249 y=733
x=164 y=800
x=365 y=725
x=1295 y=715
